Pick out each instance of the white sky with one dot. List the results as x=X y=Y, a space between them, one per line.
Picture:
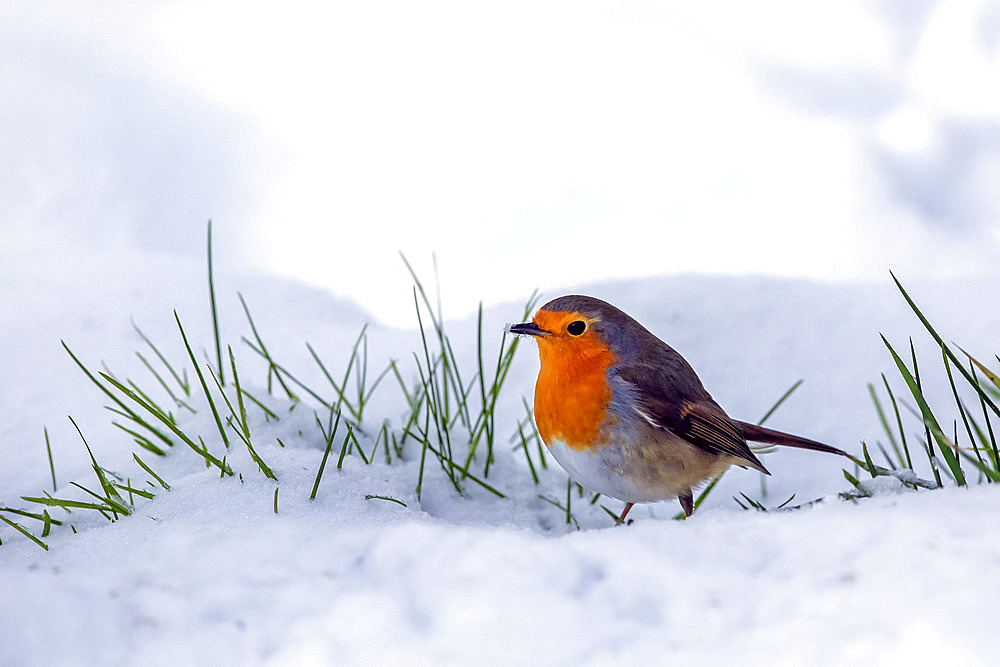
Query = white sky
x=528 y=144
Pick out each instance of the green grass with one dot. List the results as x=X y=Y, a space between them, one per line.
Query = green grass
x=961 y=450
x=448 y=425
x=958 y=451
x=443 y=405
x=449 y=417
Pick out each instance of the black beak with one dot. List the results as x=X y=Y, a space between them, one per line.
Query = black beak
x=527 y=329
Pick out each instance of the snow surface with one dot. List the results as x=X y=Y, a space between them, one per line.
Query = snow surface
x=207 y=573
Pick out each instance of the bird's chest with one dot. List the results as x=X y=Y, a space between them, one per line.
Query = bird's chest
x=572 y=398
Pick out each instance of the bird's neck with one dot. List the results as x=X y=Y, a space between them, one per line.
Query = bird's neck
x=572 y=393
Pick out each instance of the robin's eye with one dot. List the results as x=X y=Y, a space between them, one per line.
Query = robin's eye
x=576 y=328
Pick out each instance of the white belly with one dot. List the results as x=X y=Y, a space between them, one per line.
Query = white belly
x=654 y=466
x=602 y=469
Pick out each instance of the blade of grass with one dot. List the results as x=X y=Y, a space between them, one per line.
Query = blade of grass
x=128 y=488
x=66 y=503
x=181 y=379
x=343 y=448
x=109 y=489
x=202 y=451
x=576 y=524
x=435 y=404
x=263 y=349
x=425 y=444
x=341 y=399
x=984 y=443
x=215 y=310
x=987 y=472
x=990 y=375
x=127 y=411
x=472 y=477
x=326 y=454
x=201 y=380
x=993 y=440
x=992 y=445
x=141 y=440
x=778 y=403
x=24 y=531
x=268 y=413
x=369 y=496
x=115 y=506
x=937 y=338
x=278 y=370
x=899 y=422
x=537 y=435
x=928 y=441
x=145 y=467
x=527 y=453
x=52 y=465
x=930 y=422
x=569 y=499
x=882 y=419
x=869 y=464
x=238 y=422
x=31 y=515
x=163 y=383
x=961 y=406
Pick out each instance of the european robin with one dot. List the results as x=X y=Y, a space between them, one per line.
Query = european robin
x=625 y=415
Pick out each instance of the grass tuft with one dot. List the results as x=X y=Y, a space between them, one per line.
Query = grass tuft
x=979 y=452
x=449 y=413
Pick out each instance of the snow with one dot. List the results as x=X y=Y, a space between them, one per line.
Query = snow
x=207 y=573
x=762 y=167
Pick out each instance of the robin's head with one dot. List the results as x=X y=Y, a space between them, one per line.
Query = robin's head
x=576 y=349
x=584 y=326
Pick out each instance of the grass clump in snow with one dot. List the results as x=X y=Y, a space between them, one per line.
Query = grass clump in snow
x=962 y=454
x=449 y=414
x=442 y=402
x=447 y=425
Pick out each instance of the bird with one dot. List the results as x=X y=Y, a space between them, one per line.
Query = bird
x=626 y=415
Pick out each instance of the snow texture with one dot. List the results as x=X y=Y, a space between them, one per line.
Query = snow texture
x=207 y=573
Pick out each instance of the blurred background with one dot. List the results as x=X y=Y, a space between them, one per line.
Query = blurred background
x=527 y=144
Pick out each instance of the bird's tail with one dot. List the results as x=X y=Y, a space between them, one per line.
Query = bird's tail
x=772 y=437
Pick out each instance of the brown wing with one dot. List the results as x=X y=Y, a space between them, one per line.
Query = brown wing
x=674 y=403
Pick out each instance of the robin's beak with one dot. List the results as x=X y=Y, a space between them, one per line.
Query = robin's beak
x=527 y=329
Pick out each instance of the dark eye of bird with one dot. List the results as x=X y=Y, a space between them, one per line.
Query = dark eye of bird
x=577 y=327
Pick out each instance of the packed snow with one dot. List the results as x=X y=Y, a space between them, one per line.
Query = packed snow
x=207 y=573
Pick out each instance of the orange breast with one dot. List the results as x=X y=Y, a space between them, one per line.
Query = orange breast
x=572 y=393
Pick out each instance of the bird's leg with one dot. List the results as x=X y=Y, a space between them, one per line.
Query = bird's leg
x=628 y=506
x=687 y=502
